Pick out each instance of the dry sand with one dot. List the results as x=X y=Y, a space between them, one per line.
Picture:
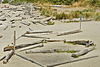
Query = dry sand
x=90 y=32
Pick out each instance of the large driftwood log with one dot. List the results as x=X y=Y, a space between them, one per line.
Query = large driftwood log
x=71 y=32
x=32 y=47
x=50 y=51
x=21 y=46
x=83 y=52
x=30 y=36
x=56 y=64
x=41 y=51
x=35 y=32
x=8 y=57
x=54 y=40
x=82 y=42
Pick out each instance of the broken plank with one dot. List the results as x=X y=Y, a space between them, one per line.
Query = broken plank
x=71 y=32
x=83 y=52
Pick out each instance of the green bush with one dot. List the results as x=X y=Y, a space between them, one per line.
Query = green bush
x=5 y=1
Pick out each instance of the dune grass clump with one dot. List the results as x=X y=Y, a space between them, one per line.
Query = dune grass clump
x=61 y=16
x=97 y=16
x=46 y=11
x=50 y=23
x=70 y=43
x=67 y=51
x=89 y=10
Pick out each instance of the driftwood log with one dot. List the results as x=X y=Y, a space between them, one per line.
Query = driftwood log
x=54 y=40
x=8 y=57
x=82 y=42
x=30 y=36
x=2 y=58
x=21 y=46
x=83 y=52
x=36 y=32
x=25 y=23
x=32 y=47
x=50 y=51
x=41 y=51
x=71 y=32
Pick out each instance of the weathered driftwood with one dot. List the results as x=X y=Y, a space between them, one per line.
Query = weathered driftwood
x=51 y=51
x=37 y=21
x=35 y=32
x=6 y=27
x=41 y=51
x=25 y=23
x=34 y=36
x=8 y=57
x=32 y=47
x=83 y=52
x=2 y=19
x=82 y=42
x=54 y=40
x=71 y=32
x=31 y=60
x=56 y=64
x=21 y=46
x=2 y=58
x=47 y=19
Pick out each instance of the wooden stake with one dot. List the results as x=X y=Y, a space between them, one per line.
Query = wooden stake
x=14 y=40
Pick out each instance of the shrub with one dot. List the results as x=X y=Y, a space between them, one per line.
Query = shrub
x=5 y=1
